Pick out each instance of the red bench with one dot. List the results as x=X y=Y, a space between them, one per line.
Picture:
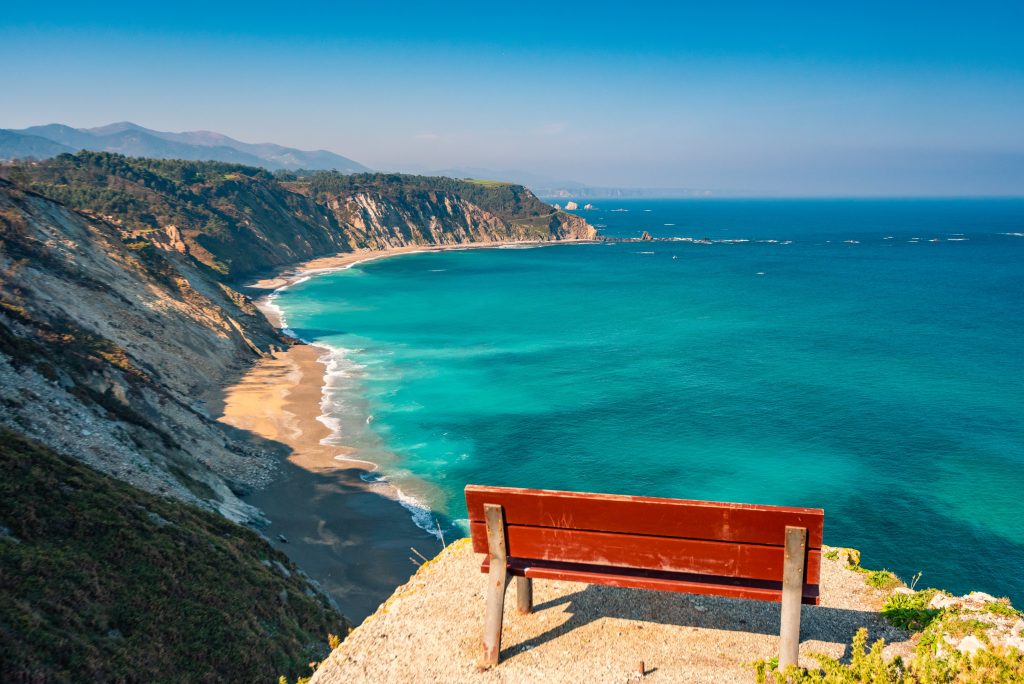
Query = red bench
x=768 y=553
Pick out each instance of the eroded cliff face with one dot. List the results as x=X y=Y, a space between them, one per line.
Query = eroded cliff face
x=376 y=222
x=108 y=342
x=237 y=221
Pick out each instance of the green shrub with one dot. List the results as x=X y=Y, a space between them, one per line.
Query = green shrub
x=910 y=611
x=1004 y=609
x=866 y=665
x=882 y=579
x=996 y=664
x=101 y=582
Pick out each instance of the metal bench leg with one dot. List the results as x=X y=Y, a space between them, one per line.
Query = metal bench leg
x=792 y=595
x=497 y=582
x=524 y=595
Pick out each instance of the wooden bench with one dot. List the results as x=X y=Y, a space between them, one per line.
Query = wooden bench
x=768 y=553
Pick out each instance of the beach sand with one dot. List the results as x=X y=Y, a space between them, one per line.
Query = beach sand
x=289 y=276
x=261 y=288
x=352 y=537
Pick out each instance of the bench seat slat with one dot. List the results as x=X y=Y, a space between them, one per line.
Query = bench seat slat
x=725 y=559
x=688 y=583
x=743 y=523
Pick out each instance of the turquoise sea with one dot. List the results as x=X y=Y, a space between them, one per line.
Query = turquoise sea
x=860 y=356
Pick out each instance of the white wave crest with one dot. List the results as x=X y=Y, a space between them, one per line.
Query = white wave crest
x=421 y=514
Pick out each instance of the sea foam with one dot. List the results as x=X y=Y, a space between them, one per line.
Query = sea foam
x=340 y=383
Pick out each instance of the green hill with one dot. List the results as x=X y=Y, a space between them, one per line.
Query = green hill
x=240 y=220
x=102 y=582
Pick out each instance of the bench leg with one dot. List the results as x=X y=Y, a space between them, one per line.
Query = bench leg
x=497 y=582
x=524 y=595
x=792 y=596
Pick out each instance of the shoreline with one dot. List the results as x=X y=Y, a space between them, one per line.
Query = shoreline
x=352 y=535
x=263 y=288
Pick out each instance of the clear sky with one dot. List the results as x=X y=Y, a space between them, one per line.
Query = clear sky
x=765 y=98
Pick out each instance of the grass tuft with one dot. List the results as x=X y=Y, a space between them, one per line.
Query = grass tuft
x=910 y=611
x=882 y=579
x=995 y=664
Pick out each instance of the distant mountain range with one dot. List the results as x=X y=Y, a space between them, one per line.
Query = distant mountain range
x=42 y=142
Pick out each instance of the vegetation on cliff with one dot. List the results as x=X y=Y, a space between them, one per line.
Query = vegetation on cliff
x=231 y=219
x=238 y=220
x=100 y=581
x=510 y=202
x=116 y=322
x=956 y=640
x=105 y=343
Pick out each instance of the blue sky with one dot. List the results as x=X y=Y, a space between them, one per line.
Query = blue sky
x=759 y=98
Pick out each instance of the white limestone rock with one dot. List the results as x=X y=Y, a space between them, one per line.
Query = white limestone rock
x=942 y=601
x=970 y=644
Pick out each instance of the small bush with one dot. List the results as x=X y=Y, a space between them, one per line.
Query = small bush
x=1004 y=609
x=910 y=611
x=866 y=665
x=882 y=579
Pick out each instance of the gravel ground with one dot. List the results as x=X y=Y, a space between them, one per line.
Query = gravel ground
x=430 y=631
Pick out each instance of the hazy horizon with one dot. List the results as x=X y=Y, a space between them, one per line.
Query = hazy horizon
x=745 y=100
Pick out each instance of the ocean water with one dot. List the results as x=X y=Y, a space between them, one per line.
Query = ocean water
x=860 y=356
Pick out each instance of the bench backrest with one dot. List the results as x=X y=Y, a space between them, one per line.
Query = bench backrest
x=647 y=533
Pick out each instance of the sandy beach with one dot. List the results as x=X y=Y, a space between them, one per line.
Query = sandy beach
x=352 y=537
x=263 y=287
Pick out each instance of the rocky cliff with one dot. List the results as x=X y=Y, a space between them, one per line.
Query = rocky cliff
x=394 y=210
x=236 y=221
x=443 y=219
x=117 y=312
x=107 y=342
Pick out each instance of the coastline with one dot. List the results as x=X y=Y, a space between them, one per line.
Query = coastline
x=263 y=288
x=351 y=535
